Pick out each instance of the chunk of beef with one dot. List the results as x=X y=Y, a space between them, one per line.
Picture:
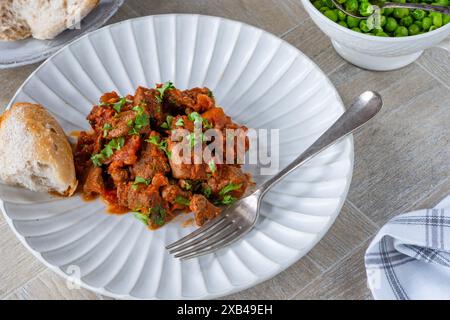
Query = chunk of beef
x=152 y=161
x=203 y=209
x=226 y=175
x=138 y=197
x=93 y=184
x=147 y=99
x=178 y=198
x=122 y=124
x=183 y=170
x=127 y=155
x=119 y=175
x=99 y=116
x=196 y=99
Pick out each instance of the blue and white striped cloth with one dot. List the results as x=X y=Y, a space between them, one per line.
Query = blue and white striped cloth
x=409 y=258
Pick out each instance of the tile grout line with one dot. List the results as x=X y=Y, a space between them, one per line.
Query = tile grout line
x=432 y=75
x=298 y=25
x=374 y=224
x=348 y=254
x=11 y=292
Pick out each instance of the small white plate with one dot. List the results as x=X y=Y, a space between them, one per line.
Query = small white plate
x=261 y=81
x=28 y=51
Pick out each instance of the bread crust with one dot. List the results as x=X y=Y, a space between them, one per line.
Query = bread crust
x=29 y=134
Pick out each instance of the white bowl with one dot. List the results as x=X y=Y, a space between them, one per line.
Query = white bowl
x=371 y=52
x=261 y=81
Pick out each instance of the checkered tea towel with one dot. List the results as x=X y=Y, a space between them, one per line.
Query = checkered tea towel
x=409 y=258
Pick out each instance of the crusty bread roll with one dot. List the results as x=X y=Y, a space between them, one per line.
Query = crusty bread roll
x=34 y=151
x=43 y=19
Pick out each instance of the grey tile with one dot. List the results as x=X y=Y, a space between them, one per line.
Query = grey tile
x=17 y=264
x=437 y=62
x=402 y=154
x=10 y=81
x=50 y=286
x=350 y=229
x=276 y=16
x=345 y=281
x=284 y=285
x=315 y=44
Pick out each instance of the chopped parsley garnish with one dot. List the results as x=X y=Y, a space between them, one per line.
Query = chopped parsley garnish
x=187 y=185
x=108 y=150
x=158 y=215
x=194 y=138
x=199 y=120
x=210 y=94
x=180 y=122
x=168 y=123
x=230 y=187
x=207 y=191
x=182 y=201
x=105 y=129
x=212 y=166
x=162 y=90
x=141 y=217
x=162 y=145
x=141 y=120
x=228 y=199
x=119 y=104
x=139 y=180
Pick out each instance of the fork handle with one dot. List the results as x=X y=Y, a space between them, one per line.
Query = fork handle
x=363 y=109
x=422 y=6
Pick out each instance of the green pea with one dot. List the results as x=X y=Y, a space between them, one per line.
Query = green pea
x=445 y=19
x=426 y=23
x=318 y=4
x=400 y=12
x=363 y=26
x=401 y=31
x=419 y=24
x=381 y=34
x=391 y=24
x=432 y=28
x=330 y=14
x=413 y=30
x=356 y=29
x=343 y=23
x=444 y=3
x=351 y=5
x=400 y=1
x=388 y=11
x=352 y=22
x=418 y=14
x=329 y=4
x=437 y=19
x=365 y=9
x=406 y=21
x=382 y=21
x=341 y=15
x=341 y=1
x=324 y=9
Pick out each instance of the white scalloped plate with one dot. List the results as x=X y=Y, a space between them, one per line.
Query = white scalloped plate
x=19 y=53
x=261 y=81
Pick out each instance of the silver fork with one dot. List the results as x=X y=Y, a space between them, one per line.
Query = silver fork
x=238 y=219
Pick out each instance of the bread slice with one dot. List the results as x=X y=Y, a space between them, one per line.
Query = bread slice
x=12 y=27
x=42 y=19
x=34 y=151
x=48 y=18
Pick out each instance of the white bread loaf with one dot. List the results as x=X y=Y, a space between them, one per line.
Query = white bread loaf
x=44 y=19
x=12 y=27
x=34 y=151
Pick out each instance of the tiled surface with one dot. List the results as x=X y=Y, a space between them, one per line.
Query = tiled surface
x=402 y=157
